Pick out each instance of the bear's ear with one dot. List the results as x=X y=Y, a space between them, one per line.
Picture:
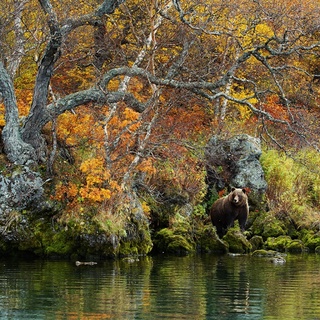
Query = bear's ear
x=232 y=189
x=244 y=190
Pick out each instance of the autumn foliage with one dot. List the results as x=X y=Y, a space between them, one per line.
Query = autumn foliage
x=252 y=51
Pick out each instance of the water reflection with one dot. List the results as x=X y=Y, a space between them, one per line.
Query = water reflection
x=195 y=287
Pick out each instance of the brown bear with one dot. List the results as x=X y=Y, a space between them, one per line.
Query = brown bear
x=226 y=210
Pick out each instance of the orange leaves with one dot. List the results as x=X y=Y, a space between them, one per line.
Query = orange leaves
x=76 y=128
x=67 y=191
x=96 y=186
x=97 y=178
x=107 y=152
x=130 y=114
x=222 y=193
x=181 y=176
x=139 y=89
x=147 y=166
x=95 y=194
x=274 y=107
x=184 y=122
x=2 y=115
x=126 y=119
x=24 y=99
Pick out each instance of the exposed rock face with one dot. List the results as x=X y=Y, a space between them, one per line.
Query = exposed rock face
x=21 y=190
x=235 y=162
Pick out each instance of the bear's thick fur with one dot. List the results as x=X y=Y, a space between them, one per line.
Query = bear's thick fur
x=226 y=210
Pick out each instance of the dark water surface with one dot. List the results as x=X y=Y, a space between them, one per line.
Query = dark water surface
x=192 y=287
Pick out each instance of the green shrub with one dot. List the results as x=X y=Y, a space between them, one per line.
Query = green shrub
x=294 y=184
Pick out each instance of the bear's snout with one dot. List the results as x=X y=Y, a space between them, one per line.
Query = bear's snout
x=236 y=199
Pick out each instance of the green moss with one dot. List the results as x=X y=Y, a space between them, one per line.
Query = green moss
x=296 y=246
x=256 y=242
x=60 y=244
x=167 y=240
x=139 y=245
x=179 y=245
x=208 y=241
x=278 y=244
x=310 y=239
x=179 y=237
x=237 y=241
x=266 y=225
x=127 y=249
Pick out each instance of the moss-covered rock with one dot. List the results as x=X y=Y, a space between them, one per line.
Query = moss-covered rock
x=267 y=225
x=238 y=243
x=178 y=238
x=278 y=244
x=208 y=241
x=270 y=255
x=289 y=224
x=296 y=246
x=310 y=239
x=167 y=240
x=256 y=242
x=61 y=244
x=85 y=237
x=266 y=253
x=141 y=244
x=180 y=245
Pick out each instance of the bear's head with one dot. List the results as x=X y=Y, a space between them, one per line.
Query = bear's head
x=238 y=197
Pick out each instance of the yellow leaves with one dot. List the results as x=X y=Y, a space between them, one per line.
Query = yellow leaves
x=95 y=170
x=113 y=85
x=114 y=186
x=67 y=8
x=94 y=188
x=75 y=128
x=244 y=112
x=263 y=30
x=146 y=209
x=24 y=100
x=96 y=176
x=243 y=94
x=250 y=37
x=98 y=186
x=130 y=114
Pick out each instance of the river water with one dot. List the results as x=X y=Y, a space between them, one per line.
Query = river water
x=191 y=287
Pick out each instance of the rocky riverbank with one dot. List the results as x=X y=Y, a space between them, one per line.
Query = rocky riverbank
x=30 y=222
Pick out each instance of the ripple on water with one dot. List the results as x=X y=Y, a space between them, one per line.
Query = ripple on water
x=199 y=287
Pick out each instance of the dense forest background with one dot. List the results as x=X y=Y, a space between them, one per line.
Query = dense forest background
x=113 y=102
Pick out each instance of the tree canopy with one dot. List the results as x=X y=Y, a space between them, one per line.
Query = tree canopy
x=123 y=87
